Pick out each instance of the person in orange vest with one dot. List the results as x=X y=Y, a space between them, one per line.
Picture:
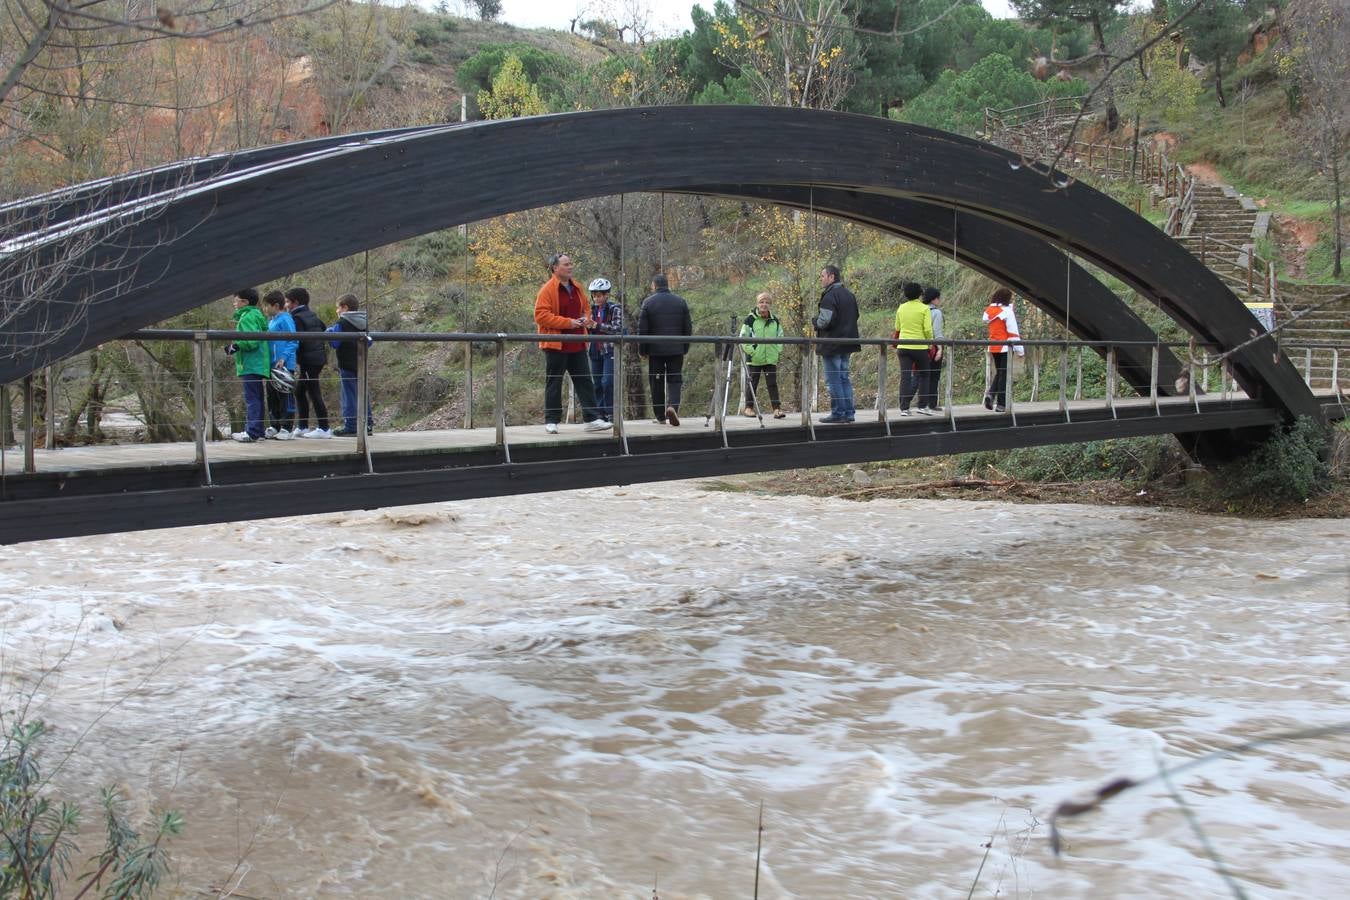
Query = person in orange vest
x=1002 y=323
x=562 y=308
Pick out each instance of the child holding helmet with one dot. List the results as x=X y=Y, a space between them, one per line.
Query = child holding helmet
x=608 y=317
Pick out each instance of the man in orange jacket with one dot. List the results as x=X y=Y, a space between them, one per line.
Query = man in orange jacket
x=560 y=308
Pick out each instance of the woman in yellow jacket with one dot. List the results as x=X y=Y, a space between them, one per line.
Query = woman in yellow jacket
x=914 y=330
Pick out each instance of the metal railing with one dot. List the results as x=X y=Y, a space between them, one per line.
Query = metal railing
x=1054 y=366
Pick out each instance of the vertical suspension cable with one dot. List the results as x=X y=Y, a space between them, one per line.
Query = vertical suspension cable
x=662 y=260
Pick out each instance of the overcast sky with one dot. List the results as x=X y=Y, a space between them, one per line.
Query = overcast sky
x=671 y=16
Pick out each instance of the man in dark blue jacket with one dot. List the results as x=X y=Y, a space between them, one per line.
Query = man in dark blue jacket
x=664 y=313
x=837 y=317
x=351 y=318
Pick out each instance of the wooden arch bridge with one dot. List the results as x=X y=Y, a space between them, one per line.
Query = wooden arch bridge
x=127 y=252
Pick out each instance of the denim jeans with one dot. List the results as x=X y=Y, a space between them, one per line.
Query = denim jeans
x=839 y=385
x=602 y=377
x=255 y=408
x=349 y=385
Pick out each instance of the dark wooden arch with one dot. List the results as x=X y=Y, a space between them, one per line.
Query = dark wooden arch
x=272 y=220
x=1005 y=254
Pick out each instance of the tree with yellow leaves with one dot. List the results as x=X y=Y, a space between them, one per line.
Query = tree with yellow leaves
x=512 y=94
x=798 y=53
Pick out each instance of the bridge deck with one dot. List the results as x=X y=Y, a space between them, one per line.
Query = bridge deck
x=93 y=490
x=112 y=457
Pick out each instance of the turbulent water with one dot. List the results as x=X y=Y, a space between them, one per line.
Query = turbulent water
x=591 y=694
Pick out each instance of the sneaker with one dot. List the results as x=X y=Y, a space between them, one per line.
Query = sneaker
x=270 y=433
x=551 y=427
x=1000 y=409
x=988 y=402
x=242 y=437
x=938 y=409
x=300 y=432
x=342 y=432
x=598 y=425
x=319 y=434
x=749 y=412
x=672 y=416
x=284 y=435
x=779 y=414
x=832 y=419
x=924 y=411
x=658 y=421
x=905 y=412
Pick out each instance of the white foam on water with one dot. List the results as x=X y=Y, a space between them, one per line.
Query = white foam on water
x=571 y=695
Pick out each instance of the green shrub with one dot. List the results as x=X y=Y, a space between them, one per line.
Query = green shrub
x=37 y=833
x=1143 y=459
x=1290 y=466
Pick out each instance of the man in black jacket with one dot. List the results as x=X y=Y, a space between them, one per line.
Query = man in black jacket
x=351 y=318
x=312 y=357
x=837 y=317
x=664 y=313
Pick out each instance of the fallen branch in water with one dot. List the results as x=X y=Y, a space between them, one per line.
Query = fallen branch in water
x=926 y=485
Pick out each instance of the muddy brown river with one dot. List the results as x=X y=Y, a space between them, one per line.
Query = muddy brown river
x=591 y=694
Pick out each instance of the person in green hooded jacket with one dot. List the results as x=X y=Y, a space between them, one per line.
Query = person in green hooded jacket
x=762 y=359
x=251 y=363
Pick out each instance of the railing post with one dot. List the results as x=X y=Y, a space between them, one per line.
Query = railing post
x=719 y=391
x=949 y=352
x=29 y=460
x=1063 y=382
x=1223 y=374
x=1153 y=379
x=1190 y=378
x=499 y=413
x=1035 y=353
x=49 y=414
x=363 y=402
x=1204 y=248
x=620 y=396
x=1078 y=379
x=882 y=413
x=1307 y=365
x=1335 y=374
x=807 y=383
x=199 y=376
x=1111 y=380
x=468 y=373
x=1009 y=387
x=1251 y=255
x=210 y=371
x=1204 y=374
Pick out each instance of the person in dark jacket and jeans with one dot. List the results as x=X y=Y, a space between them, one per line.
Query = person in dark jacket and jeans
x=351 y=318
x=837 y=317
x=664 y=313
x=312 y=356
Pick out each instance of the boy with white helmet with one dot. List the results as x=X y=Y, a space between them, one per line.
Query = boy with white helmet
x=608 y=317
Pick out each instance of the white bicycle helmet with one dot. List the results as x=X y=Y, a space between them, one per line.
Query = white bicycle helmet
x=599 y=284
x=282 y=380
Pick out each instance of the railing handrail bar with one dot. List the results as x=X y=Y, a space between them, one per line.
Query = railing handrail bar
x=164 y=334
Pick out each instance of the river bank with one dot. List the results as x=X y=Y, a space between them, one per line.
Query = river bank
x=1151 y=473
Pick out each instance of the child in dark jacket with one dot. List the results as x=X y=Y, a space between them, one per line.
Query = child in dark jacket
x=351 y=318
